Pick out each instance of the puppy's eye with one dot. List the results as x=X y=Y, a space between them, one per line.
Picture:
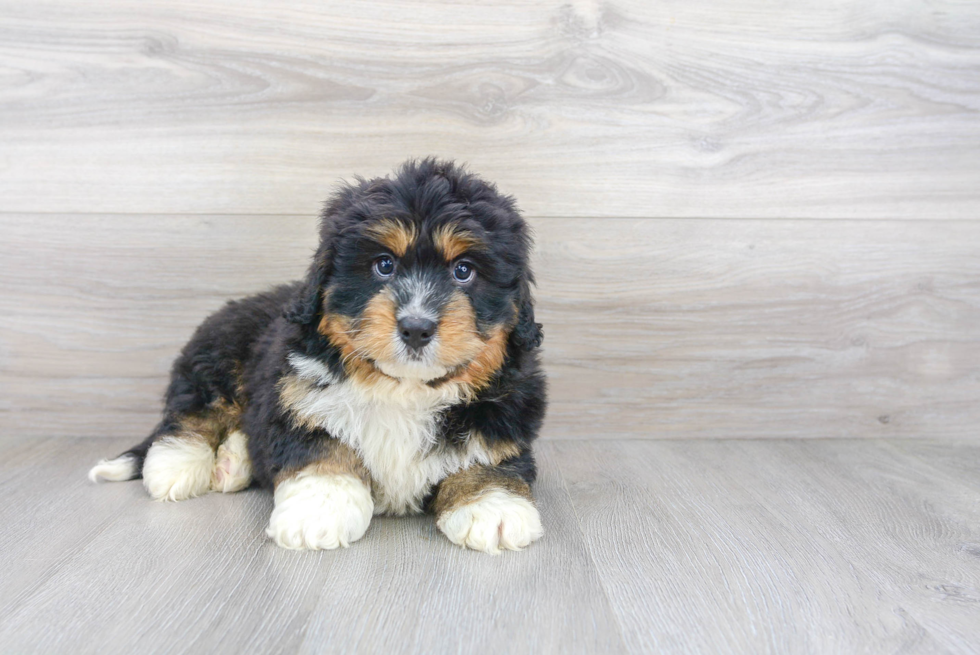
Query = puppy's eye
x=463 y=272
x=384 y=266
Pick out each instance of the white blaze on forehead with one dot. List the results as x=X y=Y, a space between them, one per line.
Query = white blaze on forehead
x=418 y=294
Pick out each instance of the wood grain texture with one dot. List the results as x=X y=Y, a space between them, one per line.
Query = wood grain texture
x=671 y=328
x=201 y=576
x=901 y=520
x=780 y=546
x=585 y=108
x=720 y=546
x=545 y=600
x=47 y=511
x=954 y=461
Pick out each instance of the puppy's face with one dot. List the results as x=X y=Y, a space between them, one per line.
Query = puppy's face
x=421 y=276
x=423 y=298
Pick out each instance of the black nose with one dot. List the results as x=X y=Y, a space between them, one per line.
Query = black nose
x=416 y=331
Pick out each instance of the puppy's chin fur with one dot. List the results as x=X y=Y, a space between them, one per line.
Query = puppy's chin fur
x=421 y=368
x=412 y=370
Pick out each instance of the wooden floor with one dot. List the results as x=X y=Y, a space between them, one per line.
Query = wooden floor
x=754 y=221
x=775 y=546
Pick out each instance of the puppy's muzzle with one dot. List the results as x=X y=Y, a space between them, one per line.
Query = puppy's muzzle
x=416 y=331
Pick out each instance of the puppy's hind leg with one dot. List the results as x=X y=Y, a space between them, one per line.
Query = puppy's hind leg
x=181 y=462
x=233 y=467
x=174 y=463
x=178 y=466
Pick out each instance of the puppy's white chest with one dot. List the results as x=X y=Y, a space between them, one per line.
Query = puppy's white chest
x=395 y=442
x=396 y=436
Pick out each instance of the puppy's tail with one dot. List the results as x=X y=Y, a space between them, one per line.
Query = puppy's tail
x=127 y=466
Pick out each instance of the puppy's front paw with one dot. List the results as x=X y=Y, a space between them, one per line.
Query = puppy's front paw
x=496 y=520
x=320 y=512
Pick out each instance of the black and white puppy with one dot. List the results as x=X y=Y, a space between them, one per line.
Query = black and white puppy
x=400 y=376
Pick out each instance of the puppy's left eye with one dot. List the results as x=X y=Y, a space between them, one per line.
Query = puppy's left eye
x=384 y=266
x=463 y=272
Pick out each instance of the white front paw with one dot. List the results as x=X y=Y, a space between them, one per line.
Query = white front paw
x=496 y=520
x=320 y=511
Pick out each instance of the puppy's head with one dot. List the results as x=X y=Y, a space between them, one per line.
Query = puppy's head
x=422 y=276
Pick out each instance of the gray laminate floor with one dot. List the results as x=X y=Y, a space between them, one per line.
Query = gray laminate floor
x=779 y=546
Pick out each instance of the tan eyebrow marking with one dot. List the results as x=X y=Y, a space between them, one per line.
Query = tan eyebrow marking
x=394 y=235
x=453 y=241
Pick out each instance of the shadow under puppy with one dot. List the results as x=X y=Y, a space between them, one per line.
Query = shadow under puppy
x=400 y=376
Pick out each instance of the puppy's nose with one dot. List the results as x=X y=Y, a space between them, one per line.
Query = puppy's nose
x=416 y=331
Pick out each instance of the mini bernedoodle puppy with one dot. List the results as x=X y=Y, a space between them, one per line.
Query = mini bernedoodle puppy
x=400 y=376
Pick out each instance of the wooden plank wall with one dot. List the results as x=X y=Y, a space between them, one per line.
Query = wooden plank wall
x=754 y=219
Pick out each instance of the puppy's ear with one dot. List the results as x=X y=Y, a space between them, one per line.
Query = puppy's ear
x=527 y=334
x=305 y=306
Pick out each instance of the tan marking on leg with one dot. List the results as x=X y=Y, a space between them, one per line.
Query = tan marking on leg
x=452 y=241
x=497 y=451
x=394 y=235
x=214 y=423
x=180 y=465
x=468 y=485
x=334 y=458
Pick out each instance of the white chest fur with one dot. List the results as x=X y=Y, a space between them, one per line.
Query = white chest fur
x=394 y=428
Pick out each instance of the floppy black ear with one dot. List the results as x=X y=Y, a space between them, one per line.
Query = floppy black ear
x=304 y=308
x=527 y=334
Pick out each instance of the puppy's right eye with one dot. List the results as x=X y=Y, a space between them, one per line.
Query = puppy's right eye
x=384 y=266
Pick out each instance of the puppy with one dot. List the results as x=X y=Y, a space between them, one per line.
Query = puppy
x=400 y=376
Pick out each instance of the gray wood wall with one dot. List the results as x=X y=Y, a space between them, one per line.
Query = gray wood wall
x=754 y=219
